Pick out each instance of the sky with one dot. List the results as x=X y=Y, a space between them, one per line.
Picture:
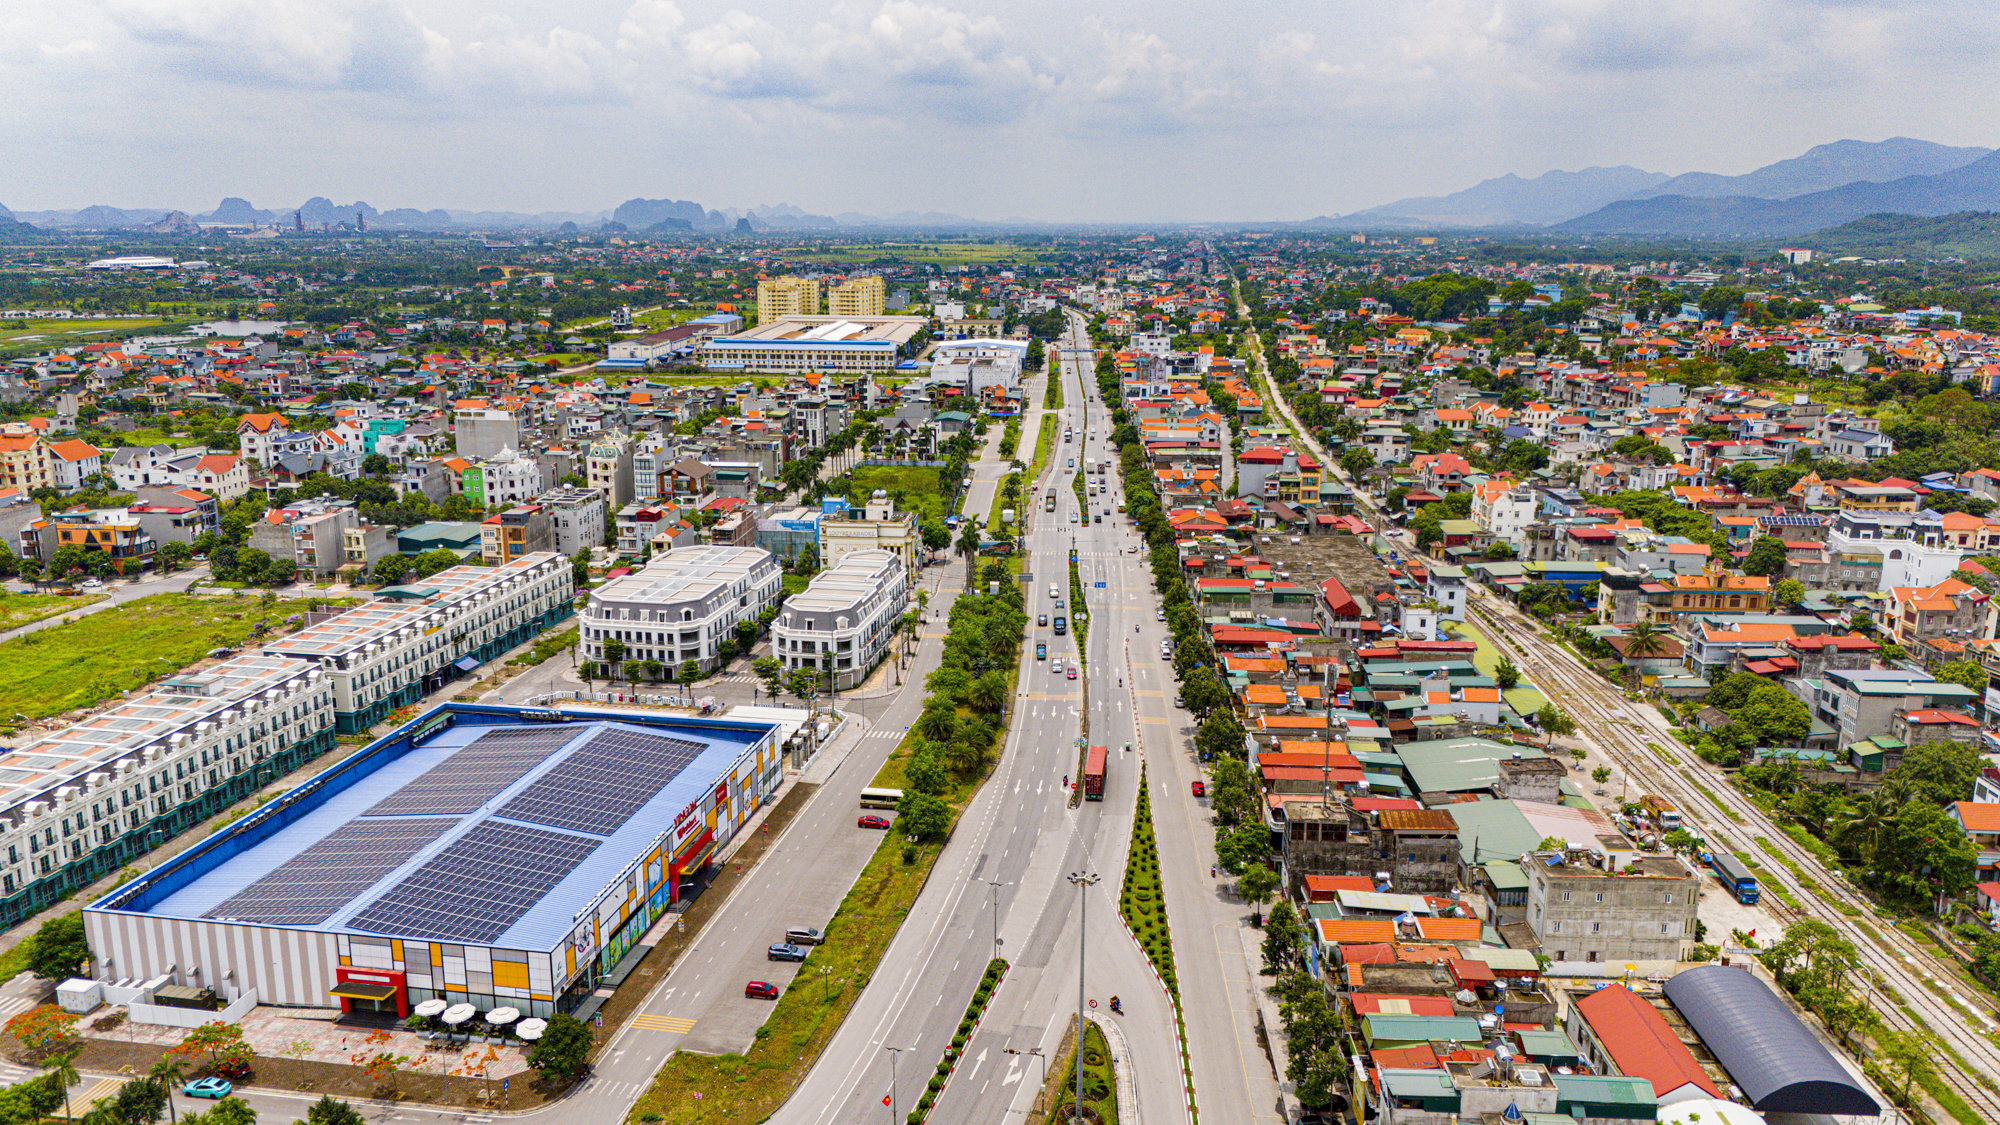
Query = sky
x=1115 y=111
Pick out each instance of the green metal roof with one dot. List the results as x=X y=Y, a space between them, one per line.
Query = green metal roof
x=1419 y=1029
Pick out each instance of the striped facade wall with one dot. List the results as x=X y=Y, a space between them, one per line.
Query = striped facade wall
x=285 y=966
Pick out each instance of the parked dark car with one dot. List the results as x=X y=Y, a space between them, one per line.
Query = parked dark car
x=786 y=951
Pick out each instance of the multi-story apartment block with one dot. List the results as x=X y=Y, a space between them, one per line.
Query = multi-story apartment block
x=857 y=296
x=515 y=533
x=1951 y=609
x=1642 y=912
x=73 y=462
x=788 y=296
x=260 y=437
x=846 y=619
x=505 y=478
x=576 y=518
x=484 y=431
x=682 y=605
x=390 y=652
x=25 y=462
x=651 y=459
x=310 y=533
x=89 y=799
x=608 y=468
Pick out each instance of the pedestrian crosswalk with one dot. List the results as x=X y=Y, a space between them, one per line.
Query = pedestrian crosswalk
x=104 y=1088
x=10 y=1006
x=672 y=1025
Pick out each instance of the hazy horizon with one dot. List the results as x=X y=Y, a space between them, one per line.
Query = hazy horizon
x=1131 y=114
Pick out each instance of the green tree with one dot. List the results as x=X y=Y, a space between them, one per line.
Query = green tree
x=1922 y=854
x=59 y=1069
x=1554 y=721
x=1938 y=772
x=231 y=1110
x=924 y=773
x=987 y=694
x=1766 y=557
x=771 y=671
x=1356 y=460
x=1284 y=939
x=923 y=816
x=1790 y=591
x=170 y=1073
x=1202 y=693
x=174 y=556
x=1219 y=736
x=934 y=534
x=390 y=569
x=1506 y=674
x=564 y=1048
x=1256 y=884
x=1601 y=774
x=690 y=671
x=1964 y=672
x=57 y=950
x=1911 y=1056
x=329 y=1110
x=614 y=650
x=937 y=723
x=746 y=635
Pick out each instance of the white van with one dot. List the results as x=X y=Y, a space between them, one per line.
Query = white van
x=1054 y=593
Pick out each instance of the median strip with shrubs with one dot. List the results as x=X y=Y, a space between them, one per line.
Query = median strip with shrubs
x=996 y=970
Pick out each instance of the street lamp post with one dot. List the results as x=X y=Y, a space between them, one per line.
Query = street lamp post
x=1083 y=880
x=893 y=1052
x=996 y=884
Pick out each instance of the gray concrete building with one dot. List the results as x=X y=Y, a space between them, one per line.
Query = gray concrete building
x=1641 y=913
x=481 y=432
x=846 y=620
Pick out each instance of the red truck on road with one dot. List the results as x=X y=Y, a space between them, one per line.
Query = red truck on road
x=1093 y=774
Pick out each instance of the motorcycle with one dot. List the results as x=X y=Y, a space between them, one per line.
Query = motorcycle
x=1117 y=1009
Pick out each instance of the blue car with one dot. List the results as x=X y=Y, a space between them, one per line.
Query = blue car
x=208 y=1088
x=786 y=951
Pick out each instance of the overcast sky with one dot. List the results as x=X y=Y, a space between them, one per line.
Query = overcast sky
x=1119 y=110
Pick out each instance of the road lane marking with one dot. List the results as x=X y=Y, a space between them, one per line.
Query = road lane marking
x=676 y=1025
x=105 y=1088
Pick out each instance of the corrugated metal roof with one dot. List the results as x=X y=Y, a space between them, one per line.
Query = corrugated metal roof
x=1776 y=1059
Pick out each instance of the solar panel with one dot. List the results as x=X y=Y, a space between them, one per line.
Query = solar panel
x=475 y=889
x=476 y=773
x=603 y=782
x=312 y=886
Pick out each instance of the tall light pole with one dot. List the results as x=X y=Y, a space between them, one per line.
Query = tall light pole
x=996 y=885
x=1083 y=880
x=893 y=1052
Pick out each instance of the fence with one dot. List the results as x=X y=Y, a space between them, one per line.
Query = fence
x=192 y=1017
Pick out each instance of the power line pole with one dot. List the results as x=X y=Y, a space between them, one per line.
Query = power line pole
x=893 y=1052
x=1083 y=882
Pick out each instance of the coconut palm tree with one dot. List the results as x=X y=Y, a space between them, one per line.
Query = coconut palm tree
x=63 y=1066
x=169 y=1073
x=968 y=545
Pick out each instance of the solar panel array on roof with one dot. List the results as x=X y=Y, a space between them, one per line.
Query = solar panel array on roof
x=476 y=774
x=600 y=784
x=315 y=884
x=480 y=885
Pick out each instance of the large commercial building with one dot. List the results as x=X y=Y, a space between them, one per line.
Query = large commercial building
x=480 y=854
x=81 y=803
x=857 y=296
x=846 y=619
x=682 y=605
x=814 y=343
x=390 y=652
x=787 y=296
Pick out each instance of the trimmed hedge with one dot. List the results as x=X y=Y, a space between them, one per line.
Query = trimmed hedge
x=996 y=970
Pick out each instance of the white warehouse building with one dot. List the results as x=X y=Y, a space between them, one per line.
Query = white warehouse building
x=682 y=605
x=846 y=620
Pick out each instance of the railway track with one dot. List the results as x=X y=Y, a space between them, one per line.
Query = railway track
x=1626 y=732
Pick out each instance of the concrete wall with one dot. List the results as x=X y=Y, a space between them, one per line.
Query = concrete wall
x=192 y=1017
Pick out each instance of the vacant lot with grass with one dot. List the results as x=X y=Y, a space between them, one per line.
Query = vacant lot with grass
x=17 y=610
x=58 y=331
x=913 y=489
x=84 y=662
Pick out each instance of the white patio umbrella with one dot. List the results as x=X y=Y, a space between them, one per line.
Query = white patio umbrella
x=531 y=1028
x=500 y=1016
x=430 y=1007
x=459 y=1013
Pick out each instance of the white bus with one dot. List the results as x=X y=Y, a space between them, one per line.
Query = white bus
x=881 y=798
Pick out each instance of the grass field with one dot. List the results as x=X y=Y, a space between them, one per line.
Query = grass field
x=913 y=489
x=930 y=252
x=57 y=331
x=17 y=610
x=84 y=662
x=1045 y=444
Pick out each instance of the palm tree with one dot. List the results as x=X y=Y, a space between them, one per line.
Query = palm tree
x=936 y=724
x=169 y=1073
x=63 y=1066
x=1861 y=825
x=1645 y=639
x=968 y=545
x=988 y=693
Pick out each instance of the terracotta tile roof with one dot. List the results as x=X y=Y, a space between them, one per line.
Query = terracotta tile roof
x=1356 y=931
x=1978 y=816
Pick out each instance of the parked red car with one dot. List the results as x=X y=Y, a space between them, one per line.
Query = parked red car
x=761 y=990
x=872 y=821
x=1200 y=788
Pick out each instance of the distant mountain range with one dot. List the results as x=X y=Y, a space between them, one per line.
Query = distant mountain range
x=655 y=216
x=1827 y=185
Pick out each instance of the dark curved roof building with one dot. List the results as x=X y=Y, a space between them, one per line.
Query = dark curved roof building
x=1770 y=1055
